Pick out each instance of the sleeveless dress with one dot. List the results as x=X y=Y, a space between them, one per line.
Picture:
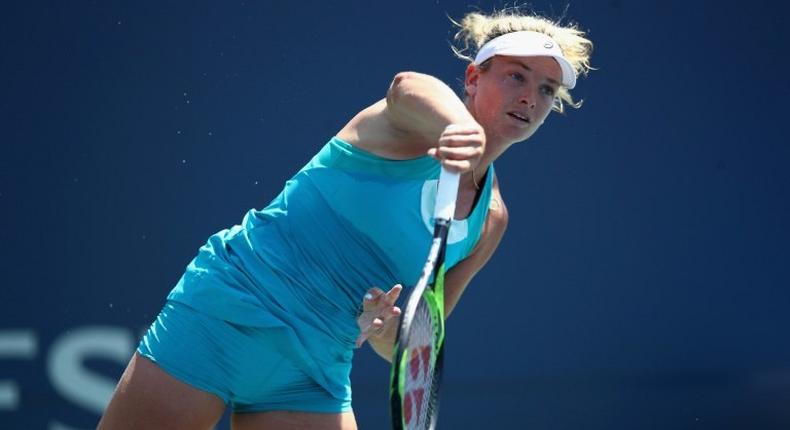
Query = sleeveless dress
x=347 y=221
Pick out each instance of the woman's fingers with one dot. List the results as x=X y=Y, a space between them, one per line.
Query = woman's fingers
x=375 y=298
x=373 y=293
x=377 y=308
x=460 y=147
x=462 y=129
x=462 y=140
x=459 y=153
x=371 y=299
x=460 y=166
x=393 y=294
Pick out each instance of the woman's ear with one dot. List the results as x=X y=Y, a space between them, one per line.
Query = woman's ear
x=470 y=79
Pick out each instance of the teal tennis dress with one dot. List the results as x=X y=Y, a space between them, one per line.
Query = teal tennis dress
x=276 y=298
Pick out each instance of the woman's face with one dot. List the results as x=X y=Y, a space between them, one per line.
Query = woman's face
x=513 y=97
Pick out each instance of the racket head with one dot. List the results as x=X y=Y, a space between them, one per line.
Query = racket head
x=419 y=345
x=417 y=364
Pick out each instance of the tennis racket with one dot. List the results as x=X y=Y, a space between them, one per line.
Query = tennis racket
x=419 y=345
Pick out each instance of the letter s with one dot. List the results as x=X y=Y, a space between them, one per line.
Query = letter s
x=75 y=382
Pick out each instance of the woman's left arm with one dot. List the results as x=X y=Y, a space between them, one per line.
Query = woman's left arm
x=457 y=278
x=380 y=318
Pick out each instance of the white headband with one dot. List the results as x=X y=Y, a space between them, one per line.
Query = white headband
x=528 y=44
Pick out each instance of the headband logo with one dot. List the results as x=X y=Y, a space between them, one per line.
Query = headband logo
x=548 y=45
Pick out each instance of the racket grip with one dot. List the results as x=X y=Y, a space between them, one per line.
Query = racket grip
x=446 y=194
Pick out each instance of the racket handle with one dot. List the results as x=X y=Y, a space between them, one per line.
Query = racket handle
x=446 y=195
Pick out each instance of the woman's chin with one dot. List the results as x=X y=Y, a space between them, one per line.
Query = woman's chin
x=518 y=134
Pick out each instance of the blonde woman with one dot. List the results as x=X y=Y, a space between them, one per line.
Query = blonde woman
x=266 y=317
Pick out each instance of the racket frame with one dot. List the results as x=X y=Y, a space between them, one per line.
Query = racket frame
x=433 y=295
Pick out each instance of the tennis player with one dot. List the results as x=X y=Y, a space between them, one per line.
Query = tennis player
x=266 y=317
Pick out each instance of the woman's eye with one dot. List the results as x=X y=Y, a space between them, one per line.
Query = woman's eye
x=549 y=91
x=517 y=76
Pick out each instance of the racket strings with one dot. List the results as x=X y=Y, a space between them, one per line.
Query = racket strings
x=420 y=389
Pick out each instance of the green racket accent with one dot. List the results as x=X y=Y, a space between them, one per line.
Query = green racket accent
x=419 y=344
x=433 y=298
x=438 y=292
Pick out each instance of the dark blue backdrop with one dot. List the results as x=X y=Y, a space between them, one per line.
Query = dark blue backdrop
x=643 y=281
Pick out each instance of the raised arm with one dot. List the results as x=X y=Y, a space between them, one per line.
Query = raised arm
x=411 y=119
x=423 y=106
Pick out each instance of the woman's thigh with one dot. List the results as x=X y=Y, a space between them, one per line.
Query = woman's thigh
x=148 y=397
x=239 y=366
x=294 y=421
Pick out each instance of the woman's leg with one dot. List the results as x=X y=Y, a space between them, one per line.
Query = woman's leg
x=294 y=421
x=147 y=397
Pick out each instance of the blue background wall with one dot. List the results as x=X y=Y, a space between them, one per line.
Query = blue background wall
x=643 y=281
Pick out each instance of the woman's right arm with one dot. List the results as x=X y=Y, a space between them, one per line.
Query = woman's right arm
x=411 y=120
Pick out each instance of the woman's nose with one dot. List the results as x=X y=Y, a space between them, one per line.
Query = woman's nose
x=528 y=98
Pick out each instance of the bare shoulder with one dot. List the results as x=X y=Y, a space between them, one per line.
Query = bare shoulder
x=372 y=130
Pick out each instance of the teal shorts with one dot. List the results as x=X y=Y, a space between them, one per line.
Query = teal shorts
x=241 y=365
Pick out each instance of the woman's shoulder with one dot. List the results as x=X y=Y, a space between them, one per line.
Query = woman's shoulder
x=373 y=131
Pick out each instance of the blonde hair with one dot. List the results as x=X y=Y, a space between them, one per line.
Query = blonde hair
x=476 y=29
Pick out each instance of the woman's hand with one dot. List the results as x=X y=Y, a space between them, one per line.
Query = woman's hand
x=460 y=147
x=378 y=313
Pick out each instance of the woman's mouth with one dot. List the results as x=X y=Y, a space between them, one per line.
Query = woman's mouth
x=520 y=116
